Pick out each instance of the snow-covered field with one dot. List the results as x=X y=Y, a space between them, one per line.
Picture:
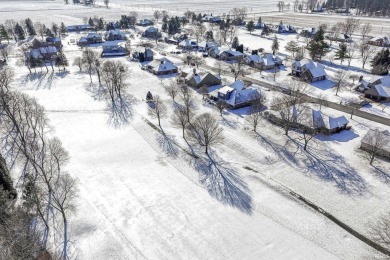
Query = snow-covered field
x=142 y=196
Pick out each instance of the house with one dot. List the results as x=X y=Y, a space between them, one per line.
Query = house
x=114 y=35
x=212 y=19
x=313 y=119
x=80 y=28
x=54 y=41
x=339 y=37
x=152 y=32
x=308 y=32
x=371 y=139
x=281 y=28
x=260 y=25
x=199 y=79
x=215 y=52
x=145 y=22
x=41 y=54
x=377 y=88
x=188 y=44
x=230 y=55
x=91 y=38
x=235 y=95
x=327 y=124
x=114 y=51
x=265 y=62
x=34 y=43
x=205 y=46
x=382 y=41
x=143 y=54
x=308 y=70
x=162 y=66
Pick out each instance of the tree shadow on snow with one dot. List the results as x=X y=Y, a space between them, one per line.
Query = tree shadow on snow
x=167 y=143
x=39 y=80
x=330 y=166
x=223 y=183
x=120 y=111
x=97 y=91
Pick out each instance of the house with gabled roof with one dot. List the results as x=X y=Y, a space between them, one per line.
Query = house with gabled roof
x=235 y=95
x=308 y=70
x=79 y=28
x=377 y=88
x=161 y=66
x=230 y=55
x=263 y=62
x=114 y=35
x=91 y=38
x=382 y=41
x=114 y=51
x=152 y=32
x=197 y=79
x=143 y=54
x=371 y=139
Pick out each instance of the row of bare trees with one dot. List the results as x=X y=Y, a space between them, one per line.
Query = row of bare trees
x=48 y=190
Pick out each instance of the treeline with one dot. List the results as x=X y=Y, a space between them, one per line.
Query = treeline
x=367 y=7
x=20 y=30
x=45 y=191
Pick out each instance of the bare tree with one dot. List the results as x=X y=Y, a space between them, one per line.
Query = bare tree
x=375 y=141
x=114 y=74
x=254 y=118
x=9 y=25
x=106 y=2
x=366 y=52
x=157 y=15
x=4 y=52
x=289 y=106
x=351 y=49
x=221 y=106
x=199 y=31
x=340 y=78
x=158 y=109
x=351 y=25
x=179 y=118
x=232 y=32
x=172 y=88
x=187 y=97
x=40 y=28
x=306 y=127
x=89 y=57
x=78 y=61
x=236 y=68
x=205 y=130
x=204 y=90
x=365 y=30
x=380 y=231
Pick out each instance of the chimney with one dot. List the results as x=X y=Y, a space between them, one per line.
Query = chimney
x=162 y=62
x=194 y=70
x=361 y=78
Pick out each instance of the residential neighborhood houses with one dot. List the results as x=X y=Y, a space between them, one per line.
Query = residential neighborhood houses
x=232 y=102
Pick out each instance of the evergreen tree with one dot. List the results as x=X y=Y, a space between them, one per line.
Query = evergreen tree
x=124 y=22
x=240 y=48
x=381 y=62
x=49 y=33
x=275 y=45
x=63 y=29
x=259 y=20
x=164 y=27
x=30 y=27
x=250 y=26
x=266 y=30
x=100 y=25
x=90 y=22
x=19 y=32
x=61 y=60
x=319 y=35
x=235 y=42
x=342 y=53
x=3 y=33
x=54 y=29
x=199 y=18
x=317 y=50
x=209 y=36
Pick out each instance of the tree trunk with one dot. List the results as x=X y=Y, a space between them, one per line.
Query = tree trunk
x=207 y=149
x=65 y=249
